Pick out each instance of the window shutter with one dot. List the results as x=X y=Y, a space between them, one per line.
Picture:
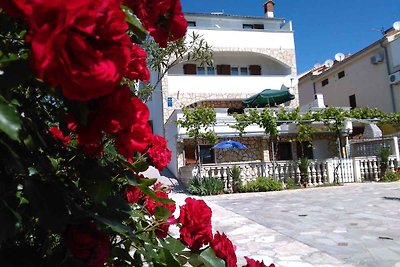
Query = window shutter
x=189 y=69
x=224 y=69
x=255 y=70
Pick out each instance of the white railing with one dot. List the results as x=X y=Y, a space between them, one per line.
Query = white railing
x=319 y=172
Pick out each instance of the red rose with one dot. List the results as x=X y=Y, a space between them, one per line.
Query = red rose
x=195 y=217
x=164 y=19
x=80 y=46
x=224 y=249
x=162 y=230
x=254 y=263
x=133 y=194
x=158 y=152
x=151 y=204
x=137 y=69
x=56 y=132
x=16 y=8
x=88 y=244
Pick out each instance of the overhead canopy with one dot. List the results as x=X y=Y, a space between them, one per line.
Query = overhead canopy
x=267 y=98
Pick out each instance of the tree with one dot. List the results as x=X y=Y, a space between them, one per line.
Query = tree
x=199 y=123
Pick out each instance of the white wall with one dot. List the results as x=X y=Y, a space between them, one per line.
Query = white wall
x=156 y=108
x=231 y=22
x=367 y=81
x=171 y=134
x=247 y=39
x=394 y=53
x=243 y=85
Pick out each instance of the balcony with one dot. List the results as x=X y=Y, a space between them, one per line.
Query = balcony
x=242 y=86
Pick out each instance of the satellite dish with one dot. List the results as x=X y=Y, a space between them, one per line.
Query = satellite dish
x=291 y=81
x=396 y=25
x=339 y=56
x=317 y=65
x=328 y=63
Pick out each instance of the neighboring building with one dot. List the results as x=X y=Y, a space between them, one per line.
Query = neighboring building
x=250 y=54
x=370 y=77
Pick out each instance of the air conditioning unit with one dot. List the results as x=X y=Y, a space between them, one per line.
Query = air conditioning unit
x=394 y=78
x=377 y=58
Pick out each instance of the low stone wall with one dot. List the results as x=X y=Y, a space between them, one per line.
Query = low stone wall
x=254 y=151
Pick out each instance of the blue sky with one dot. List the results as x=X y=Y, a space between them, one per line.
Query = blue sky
x=322 y=27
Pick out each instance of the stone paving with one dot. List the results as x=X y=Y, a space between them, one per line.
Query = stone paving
x=351 y=225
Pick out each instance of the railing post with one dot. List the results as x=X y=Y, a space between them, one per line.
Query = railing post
x=396 y=148
x=330 y=171
x=357 y=170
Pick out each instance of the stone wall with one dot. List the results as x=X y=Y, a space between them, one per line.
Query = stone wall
x=254 y=151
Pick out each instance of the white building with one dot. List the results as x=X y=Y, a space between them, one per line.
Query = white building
x=250 y=54
x=370 y=77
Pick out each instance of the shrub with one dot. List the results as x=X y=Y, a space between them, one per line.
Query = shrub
x=205 y=186
x=303 y=164
x=384 y=154
x=291 y=184
x=390 y=177
x=235 y=174
x=261 y=184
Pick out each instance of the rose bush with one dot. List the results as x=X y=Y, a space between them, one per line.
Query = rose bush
x=74 y=137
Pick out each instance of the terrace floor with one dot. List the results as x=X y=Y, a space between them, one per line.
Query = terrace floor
x=351 y=225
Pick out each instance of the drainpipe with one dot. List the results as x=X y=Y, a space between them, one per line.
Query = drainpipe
x=389 y=72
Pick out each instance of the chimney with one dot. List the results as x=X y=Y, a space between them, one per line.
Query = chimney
x=269 y=9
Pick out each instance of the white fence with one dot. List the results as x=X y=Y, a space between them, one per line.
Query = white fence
x=319 y=172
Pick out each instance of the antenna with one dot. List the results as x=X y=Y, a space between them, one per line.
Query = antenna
x=339 y=56
x=396 y=25
x=291 y=81
x=316 y=65
x=328 y=63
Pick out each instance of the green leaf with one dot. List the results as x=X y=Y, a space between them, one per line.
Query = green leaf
x=172 y=244
x=116 y=226
x=209 y=258
x=100 y=190
x=10 y=122
x=136 y=26
x=162 y=213
x=121 y=254
x=151 y=194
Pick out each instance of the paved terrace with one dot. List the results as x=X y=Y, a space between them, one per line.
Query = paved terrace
x=351 y=225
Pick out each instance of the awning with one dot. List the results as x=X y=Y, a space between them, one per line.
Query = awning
x=267 y=98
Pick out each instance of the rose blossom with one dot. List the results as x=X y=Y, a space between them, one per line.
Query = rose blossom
x=195 y=217
x=158 y=152
x=133 y=194
x=254 y=263
x=224 y=249
x=163 y=19
x=88 y=244
x=80 y=46
x=56 y=132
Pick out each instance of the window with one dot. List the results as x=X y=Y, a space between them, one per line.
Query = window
x=235 y=71
x=352 y=100
x=224 y=69
x=189 y=69
x=210 y=71
x=191 y=23
x=201 y=71
x=207 y=154
x=325 y=82
x=341 y=74
x=244 y=71
x=253 y=26
x=232 y=111
x=255 y=70
x=284 y=151
x=304 y=149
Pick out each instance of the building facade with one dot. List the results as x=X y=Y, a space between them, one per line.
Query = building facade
x=250 y=54
x=361 y=79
